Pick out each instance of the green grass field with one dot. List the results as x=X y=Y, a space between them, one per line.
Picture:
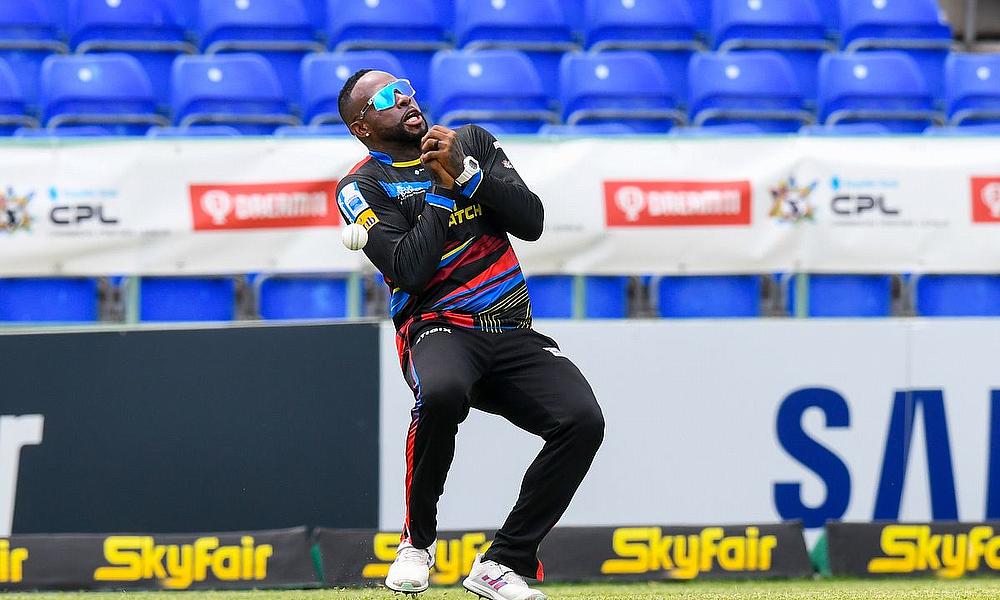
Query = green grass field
x=976 y=589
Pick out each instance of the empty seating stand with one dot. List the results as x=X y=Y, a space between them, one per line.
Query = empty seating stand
x=187 y=299
x=50 y=299
x=843 y=295
x=302 y=297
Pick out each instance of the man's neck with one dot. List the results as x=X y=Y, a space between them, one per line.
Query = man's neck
x=400 y=152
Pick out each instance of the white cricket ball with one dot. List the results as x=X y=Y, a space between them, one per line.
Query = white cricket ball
x=355 y=236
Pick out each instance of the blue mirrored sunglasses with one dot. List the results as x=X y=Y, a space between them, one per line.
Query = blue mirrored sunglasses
x=385 y=98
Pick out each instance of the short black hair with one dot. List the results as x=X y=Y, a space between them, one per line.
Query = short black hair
x=345 y=93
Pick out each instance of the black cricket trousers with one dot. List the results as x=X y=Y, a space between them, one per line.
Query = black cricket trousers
x=522 y=376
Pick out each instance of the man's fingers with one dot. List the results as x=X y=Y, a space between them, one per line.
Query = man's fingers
x=431 y=144
x=433 y=155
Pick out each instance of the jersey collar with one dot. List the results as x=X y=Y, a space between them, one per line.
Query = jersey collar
x=382 y=157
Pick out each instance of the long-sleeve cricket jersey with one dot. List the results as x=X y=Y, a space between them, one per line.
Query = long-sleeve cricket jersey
x=445 y=253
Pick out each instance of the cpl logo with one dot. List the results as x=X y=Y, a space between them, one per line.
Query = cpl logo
x=218 y=204
x=790 y=201
x=14 y=214
x=631 y=201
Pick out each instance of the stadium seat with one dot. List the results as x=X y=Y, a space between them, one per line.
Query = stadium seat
x=708 y=296
x=957 y=295
x=966 y=130
x=27 y=35
x=278 y=30
x=717 y=130
x=794 y=28
x=57 y=12
x=973 y=89
x=66 y=300
x=187 y=132
x=829 y=11
x=590 y=129
x=551 y=296
x=187 y=299
x=536 y=27
x=69 y=131
x=338 y=129
x=302 y=297
x=605 y=297
x=916 y=26
x=619 y=87
x=665 y=28
x=12 y=106
x=496 y=85
x=411 y=29
x=316 y=13
x=844 y=129
x=323 y=76
x=240 y=90
x=186 y=12
x=875 y=87
x=575 y=13
x=109 y=90
x=844 y=295
x=145 y=29
x=701 y=10
x=758 y=88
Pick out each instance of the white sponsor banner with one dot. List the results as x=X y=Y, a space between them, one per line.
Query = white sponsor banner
x=634 y=205
x=747 y=421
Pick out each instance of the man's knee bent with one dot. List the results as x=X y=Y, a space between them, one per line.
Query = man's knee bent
x=587 y=425
x=444 y=398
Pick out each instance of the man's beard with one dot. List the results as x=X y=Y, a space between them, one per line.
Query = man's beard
x=400 y=134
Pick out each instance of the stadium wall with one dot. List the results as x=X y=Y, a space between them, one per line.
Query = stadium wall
x=181 y=430
x=748 y=421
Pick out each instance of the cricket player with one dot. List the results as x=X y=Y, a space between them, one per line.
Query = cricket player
x=438 y=206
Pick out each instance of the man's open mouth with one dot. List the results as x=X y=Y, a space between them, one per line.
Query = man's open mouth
x=412 y=117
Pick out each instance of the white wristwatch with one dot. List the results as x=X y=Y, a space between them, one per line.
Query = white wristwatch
x=471 y=168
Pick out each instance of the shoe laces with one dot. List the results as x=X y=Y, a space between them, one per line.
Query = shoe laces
x=409 y=554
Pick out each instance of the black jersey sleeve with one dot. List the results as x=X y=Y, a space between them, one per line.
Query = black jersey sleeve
x=407 y=255
x=500 y=189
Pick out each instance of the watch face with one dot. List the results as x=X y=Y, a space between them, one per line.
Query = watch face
x=471 y=162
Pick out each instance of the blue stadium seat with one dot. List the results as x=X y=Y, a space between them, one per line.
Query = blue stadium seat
x=145 y=29
x=590 y=129
x=302 y=297
x=717 y=130
x=338 y=129
x=575 y=13
x=66 y=300
x=109 y=90
x=829 y=10
x=188 y=132
x=756 y=87
x=12 y=106
x=323 y=75
x=316 y=13
x=187 y=299
x=664 y=28
x=605 y=297
x=411 y=29
x=701 y=10
x=844 y=295
x=844 y=129
x=875 y=87
x=27 y=35
x=57 y=12
x=973 y=89
x=240 y=90
x=536 y=27
x=619 y=87
x=794 y=28
x=957 y=295
x=496 y=85
x=709 y=296
x=988 y=129
x=916 y=26
x=186 y=12
x=278 y=30
x=69 y=131
x=551 y=296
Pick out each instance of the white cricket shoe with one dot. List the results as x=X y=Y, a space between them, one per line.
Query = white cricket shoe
x=411 y=569
x=490 y=579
